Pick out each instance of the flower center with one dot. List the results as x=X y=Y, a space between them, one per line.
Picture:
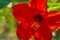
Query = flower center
x=36 y=23
x=38 y=18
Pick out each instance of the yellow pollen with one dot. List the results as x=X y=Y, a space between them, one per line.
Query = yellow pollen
x=35 y=25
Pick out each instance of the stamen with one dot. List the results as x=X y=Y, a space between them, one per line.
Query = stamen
x=35 y=25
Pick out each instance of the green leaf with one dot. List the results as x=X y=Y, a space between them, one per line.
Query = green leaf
x=53 y=4
x=53 y=8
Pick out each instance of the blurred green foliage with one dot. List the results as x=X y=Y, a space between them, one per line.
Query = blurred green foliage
x=53 y=5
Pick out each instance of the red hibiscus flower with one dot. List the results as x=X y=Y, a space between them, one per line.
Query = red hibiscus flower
x=32 y=23
x=53 y=17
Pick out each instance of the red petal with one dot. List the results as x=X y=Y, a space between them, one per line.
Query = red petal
x=20 y=32
x=55 y=28
x=23 y=32
x=39 y=4
x=54 y=19
x=22 y=12
x=45 y=31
